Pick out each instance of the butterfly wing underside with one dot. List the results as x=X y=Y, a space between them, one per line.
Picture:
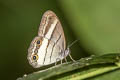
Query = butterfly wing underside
x=51 y=29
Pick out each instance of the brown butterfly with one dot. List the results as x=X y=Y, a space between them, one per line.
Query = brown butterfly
x=50 y=45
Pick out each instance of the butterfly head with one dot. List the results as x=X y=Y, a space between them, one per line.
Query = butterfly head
x=33 y=55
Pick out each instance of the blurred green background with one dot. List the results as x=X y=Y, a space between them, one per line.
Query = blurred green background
x=95 y=23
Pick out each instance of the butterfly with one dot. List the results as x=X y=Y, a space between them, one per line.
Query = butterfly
x=49 y=46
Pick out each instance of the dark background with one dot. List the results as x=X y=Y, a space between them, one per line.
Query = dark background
x=96 y=24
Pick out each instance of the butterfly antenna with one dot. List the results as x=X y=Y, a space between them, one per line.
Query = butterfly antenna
x=72 y=43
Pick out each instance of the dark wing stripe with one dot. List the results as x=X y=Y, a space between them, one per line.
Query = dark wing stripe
x=48 y=43
x=54 y=46
x=46 y=51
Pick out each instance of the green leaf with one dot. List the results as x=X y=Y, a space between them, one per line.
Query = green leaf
x=81 y=69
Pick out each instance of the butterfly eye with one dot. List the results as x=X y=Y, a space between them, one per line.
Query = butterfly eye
x=35 y=57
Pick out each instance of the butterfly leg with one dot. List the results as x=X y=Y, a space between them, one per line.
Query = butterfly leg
x=68 y=52
x=61 y=61
x=71 y=57
x=65 y=59
x=56 y=61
